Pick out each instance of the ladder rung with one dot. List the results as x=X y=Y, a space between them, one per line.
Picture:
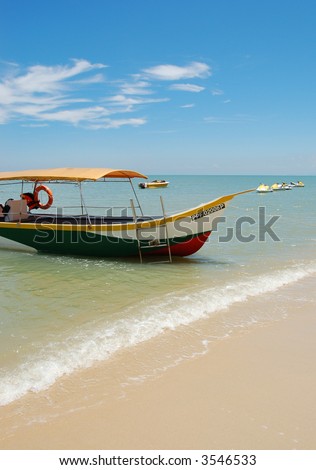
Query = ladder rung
x=153 y=246
x=159 y=262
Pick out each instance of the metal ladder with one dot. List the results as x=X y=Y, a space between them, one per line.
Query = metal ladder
x=159 y=244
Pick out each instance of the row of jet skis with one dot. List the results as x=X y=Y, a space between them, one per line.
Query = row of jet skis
x=264 y=188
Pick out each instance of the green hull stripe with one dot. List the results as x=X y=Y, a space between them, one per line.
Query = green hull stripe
x=80 y=243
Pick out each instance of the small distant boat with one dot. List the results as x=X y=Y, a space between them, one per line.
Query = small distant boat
x=276 y=187
x=154 y=184
x=299 y=184
x=286 y=186
x=264 y=188
x=281 y=187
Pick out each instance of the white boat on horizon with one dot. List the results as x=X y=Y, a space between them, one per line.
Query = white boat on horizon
x=299 y=184
x=154 y=184
x=264 y=188
x=281 y=187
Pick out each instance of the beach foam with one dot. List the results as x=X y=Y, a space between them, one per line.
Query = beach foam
x=98 y=342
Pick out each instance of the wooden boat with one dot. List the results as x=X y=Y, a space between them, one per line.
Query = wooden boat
x=154 y=184
x=29 y=220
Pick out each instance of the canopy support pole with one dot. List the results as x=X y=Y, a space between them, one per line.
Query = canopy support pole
x=136 y=230
x=138 y=203
x=83 y=204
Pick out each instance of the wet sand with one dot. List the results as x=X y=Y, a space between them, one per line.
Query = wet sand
x=254 y=390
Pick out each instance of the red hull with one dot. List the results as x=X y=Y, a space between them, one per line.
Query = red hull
x=184 y=248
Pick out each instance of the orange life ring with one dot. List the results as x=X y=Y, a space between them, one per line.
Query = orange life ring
x=37 y=190
x=31 y=201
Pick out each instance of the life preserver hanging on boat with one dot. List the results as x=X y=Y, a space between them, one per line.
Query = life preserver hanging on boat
x=31 y=202
x=49 y=193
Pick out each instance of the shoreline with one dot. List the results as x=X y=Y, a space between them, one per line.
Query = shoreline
x=253 y=390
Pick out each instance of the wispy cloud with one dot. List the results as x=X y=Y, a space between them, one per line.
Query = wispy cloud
x=75 y=116
x=229 y=120
x=79 y=93
x=187 y=87
x=42 y=91
x=49 y=79
x=175 y=72
x=123 y=100
x=140 y=87
x=45 y=94
x=190 y=105
x=117 y=123
x=217 y=92
x=98 y=78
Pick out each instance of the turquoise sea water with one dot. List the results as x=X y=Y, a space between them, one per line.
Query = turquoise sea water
x=59 y=314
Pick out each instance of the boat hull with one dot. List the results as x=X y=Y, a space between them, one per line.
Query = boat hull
x=94 y=244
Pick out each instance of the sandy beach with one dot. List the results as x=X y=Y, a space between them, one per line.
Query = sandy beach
x=253 y=390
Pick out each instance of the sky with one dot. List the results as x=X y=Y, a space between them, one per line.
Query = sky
x=160 y=86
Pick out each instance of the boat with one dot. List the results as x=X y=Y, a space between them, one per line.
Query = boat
x=31 y=218
x=299 y=184
x=154 y=184
x=264 y=188
x=281 y=187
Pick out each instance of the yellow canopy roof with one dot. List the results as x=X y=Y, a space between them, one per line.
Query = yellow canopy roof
x=72 y=174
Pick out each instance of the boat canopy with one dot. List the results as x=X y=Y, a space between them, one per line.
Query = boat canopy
x=69 y=174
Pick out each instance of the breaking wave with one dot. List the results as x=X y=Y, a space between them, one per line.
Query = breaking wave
x=99 y=341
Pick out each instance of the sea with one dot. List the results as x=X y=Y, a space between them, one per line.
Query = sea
x=62 y=314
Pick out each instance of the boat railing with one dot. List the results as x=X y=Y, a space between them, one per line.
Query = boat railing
x=102 y=210
x=82 y=207
x=19 y=211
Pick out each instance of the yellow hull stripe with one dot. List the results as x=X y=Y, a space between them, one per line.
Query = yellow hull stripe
x=119 y=227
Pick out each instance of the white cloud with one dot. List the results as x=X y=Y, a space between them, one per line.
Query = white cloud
x=117 y=123
x=122 y=100
x=75 y=116
x=44 y=94
x=229 y=120
x=42 y=89
x=41 y=94
x=191 y=105
x=174 y=72
x=187 y=87
x=8 y=63
x=127 y=101
x=136 y=88
x=98 y=78
x=217 y=92
x=49 y=79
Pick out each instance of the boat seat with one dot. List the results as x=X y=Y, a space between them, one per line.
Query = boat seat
x=17 y=210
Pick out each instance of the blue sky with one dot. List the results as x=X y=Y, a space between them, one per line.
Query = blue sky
x=163 y=87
